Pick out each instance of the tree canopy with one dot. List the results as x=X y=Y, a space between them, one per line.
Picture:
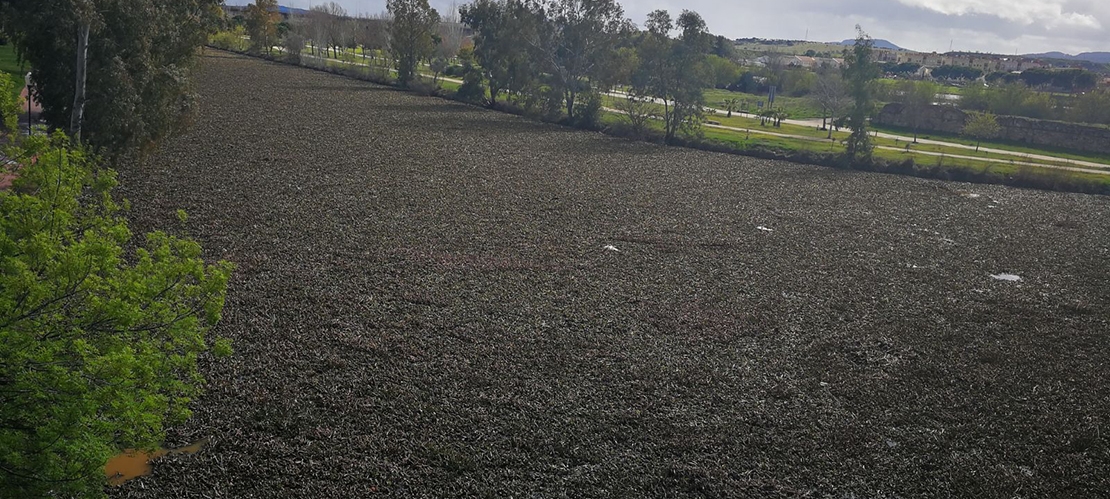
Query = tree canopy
x=98 y=343
x=860 y=73
x=412 y=36
x=140 y=54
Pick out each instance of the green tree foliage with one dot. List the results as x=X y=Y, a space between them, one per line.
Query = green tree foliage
x=981 y=126
x=1093 y=107
x=797 y=82
x=674 y=70
x=901 y=69
x=412 y=37
x=139 y=60
x=9 y=104
x=1064 y=80
x=724 y=48
x=499 y=27
x=1015 y=99
x=722 y=71
x=860 y=73
x=261 y=23
x=98 y=343
x=956 y=73
x=573 y=42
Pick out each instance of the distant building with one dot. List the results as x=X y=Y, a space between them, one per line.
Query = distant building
x=286 y=12
x=802 y=61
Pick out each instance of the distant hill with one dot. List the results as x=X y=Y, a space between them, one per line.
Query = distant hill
x=879 y=44
x=1095 y=57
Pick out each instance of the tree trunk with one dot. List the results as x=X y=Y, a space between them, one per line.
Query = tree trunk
x=78 y=113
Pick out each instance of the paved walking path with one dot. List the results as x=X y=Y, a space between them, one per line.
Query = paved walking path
x=888 y=148
x=817 y=123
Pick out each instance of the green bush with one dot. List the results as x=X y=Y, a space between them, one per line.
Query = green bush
x=230 y=40
x=9 y=104
x=99 y=335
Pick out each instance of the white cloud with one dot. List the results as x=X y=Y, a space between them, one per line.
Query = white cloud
x=1049 y=13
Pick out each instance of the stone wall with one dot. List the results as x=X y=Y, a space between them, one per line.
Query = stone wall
x=948 y=119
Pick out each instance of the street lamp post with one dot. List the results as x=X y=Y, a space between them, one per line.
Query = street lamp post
x=27 y=79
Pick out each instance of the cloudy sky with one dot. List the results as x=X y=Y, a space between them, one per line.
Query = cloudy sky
x=1001 y=26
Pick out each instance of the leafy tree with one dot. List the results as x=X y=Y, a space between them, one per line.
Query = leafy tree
x=98 y=343
x=975 y=96
x=723 y=71
x=724 y=48
x=499 y=26
x=675 y=70
x=860 y=73
x=261 y=22
x=9 y=104
x=916 y=98
x=1092 y=107
x=438 y=66
x=412 y=37
x=140 y=54
x=573 y=41
x=471 y=89
x=981 y=126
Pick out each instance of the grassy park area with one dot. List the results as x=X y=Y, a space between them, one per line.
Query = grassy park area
x=9 y=64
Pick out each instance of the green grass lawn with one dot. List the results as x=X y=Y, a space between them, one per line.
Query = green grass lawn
x=799 y=108
x=1018 y=147
x=10 y=64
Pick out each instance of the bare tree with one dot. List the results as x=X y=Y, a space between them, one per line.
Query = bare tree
x=328 y=26
x=451 y=33
x=916 y=98
x=831 y=95
x=371 y=33
x=637 y=110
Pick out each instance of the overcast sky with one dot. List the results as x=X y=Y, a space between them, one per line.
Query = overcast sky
x=1001 y=26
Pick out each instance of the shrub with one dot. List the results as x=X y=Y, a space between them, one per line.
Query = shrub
x=454 y=71
x=229 y=40
x=588 y=111
x=293 y=43
x=98 y=343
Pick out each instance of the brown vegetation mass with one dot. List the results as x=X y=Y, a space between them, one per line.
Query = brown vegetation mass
x=424 y=306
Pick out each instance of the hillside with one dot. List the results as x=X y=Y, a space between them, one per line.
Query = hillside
x=1095 y=57
x=879 y=43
